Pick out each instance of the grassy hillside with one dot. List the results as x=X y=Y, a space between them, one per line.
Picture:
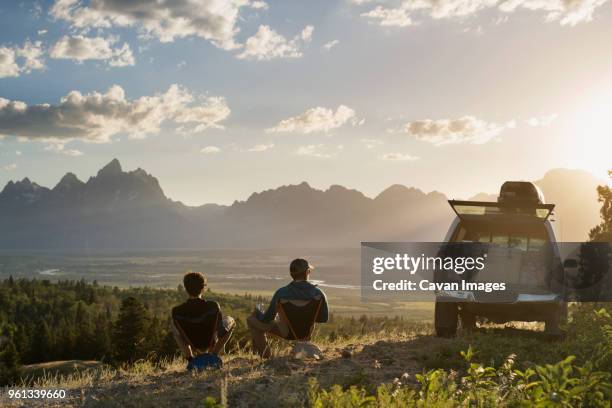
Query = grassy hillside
x=375 y=363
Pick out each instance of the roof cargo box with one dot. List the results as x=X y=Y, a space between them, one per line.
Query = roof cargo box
x=520 y=192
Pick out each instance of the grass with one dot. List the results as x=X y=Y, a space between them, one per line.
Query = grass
x=370 y=362
x=585 y=334
x=559 y=385
x=59 y=368
x=247 y=378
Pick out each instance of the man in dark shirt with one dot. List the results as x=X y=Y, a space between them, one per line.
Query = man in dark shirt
x=300 y=289
x=190 y=337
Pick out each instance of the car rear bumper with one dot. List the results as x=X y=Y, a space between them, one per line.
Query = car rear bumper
x=469 y=296
x=525 y=307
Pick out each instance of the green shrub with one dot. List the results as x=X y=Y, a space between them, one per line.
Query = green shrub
x=551 y=385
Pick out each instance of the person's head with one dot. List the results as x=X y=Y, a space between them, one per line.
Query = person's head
x=300 y=269
x=195 y=283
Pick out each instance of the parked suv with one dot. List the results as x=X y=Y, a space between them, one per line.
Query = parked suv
x=521 y=250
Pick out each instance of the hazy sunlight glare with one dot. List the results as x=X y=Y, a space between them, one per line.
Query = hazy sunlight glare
x=593 y=130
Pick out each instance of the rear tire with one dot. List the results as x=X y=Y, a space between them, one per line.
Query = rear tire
x=564 y=313
x=446 y=318
x=468 y=321
x=552 y=325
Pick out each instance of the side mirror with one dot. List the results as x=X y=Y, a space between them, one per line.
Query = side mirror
x=570 y=263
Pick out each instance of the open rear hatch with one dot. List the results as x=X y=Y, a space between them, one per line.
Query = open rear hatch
x=481 y=210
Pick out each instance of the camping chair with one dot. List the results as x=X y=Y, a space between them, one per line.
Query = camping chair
x=300 y=317
x=203 y=330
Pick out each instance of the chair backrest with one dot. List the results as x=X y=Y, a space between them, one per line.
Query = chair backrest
x=300 y=316
x=199 y=332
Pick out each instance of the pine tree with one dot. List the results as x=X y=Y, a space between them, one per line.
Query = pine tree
x=169 y=346
x=42 y=344
x=83 y=344
x=22 y=340
x=155 y=336
x=603 y=231
x=10 y=369
x=66 y=339
x=91 y=294
x=131 y=329
x=102 y=342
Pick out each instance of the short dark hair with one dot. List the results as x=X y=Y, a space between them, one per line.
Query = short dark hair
x=194 y=283
x=299 y=268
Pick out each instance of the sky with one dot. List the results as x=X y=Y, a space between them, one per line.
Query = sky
x=219 y=99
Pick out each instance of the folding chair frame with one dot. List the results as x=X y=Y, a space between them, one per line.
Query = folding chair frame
x=283 y=313
x=188 y=340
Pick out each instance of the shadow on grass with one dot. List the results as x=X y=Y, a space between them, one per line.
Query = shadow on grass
x=493 y=345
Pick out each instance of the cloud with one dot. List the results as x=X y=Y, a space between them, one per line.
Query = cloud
x=317 y=119
x=261 y=147
x=206 y=115
x=32 y=53
x=8 y=64
x=166 y=20
x=478 y=30
x=314 y=151
x=267 y=44
x=467 y=129
x=371 y=143
x=385 y=16
x=210 y=150
x=259 y=5
x=542 y=121
x=10 y=167
x=17 y=60
x=567 y=12
x=398 y=157
x=82 y=48
x=60 y=148
x=36 y=9
x=328 y=46
x=96 y=117
x=402 y=15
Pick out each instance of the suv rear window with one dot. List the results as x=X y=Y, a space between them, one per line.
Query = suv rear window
x=525 y=237
x=474 y=209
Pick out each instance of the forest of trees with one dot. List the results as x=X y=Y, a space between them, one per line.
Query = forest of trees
x=44 y=321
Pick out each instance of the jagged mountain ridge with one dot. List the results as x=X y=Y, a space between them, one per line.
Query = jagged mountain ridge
x=128 y=209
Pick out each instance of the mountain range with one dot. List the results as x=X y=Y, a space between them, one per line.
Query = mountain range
x=129 y=210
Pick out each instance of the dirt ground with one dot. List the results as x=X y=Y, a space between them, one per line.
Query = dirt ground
x=248 y=381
